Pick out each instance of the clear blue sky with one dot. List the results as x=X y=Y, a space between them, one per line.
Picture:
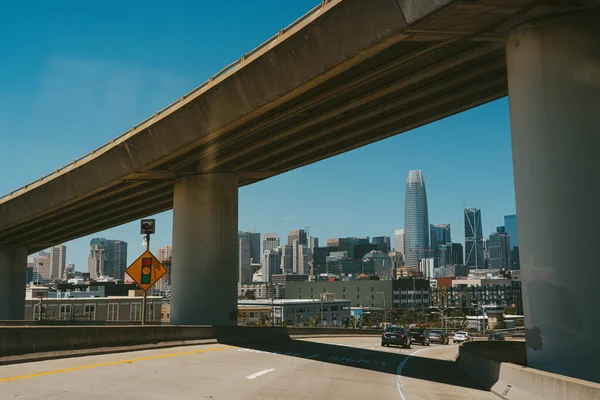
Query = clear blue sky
x=76 y=74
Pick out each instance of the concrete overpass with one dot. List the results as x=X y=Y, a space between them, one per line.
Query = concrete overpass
x=347 y=74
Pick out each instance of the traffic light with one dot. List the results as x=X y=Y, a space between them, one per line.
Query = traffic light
x=148 y=226
x=146 y=271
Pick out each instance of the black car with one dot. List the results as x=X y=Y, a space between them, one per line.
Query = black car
x=420 y=335
x=439 y=336
x=395 y=335
x=496 y=336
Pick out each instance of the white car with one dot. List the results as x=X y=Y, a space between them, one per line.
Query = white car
x=462 y=336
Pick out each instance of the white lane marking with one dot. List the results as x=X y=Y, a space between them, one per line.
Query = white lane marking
x=259 y=373
x=399 y=373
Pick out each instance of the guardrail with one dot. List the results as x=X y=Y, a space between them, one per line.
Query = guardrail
x=38 y=339
x=126 y=134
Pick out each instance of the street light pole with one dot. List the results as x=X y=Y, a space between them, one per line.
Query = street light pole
x=384 y=307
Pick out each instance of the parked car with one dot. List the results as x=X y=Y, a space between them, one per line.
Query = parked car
x=439 y=336
x=496 y=336
x=395 y=335
x=419 y=335
x=462 y=336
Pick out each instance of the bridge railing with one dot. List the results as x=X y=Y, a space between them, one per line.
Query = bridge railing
x=17 y=340
x=126 y=134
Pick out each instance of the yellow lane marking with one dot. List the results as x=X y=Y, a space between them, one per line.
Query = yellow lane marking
x=62 y=371
x=312 y=339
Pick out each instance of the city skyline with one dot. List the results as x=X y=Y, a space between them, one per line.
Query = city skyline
x=259 y=238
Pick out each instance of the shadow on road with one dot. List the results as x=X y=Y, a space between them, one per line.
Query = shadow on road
x=427 y=369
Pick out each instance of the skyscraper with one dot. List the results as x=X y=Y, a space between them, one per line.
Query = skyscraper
x=416 y=219
x=450 y=254
x=313 y=242
x=304 y=260
x=320 y=260
x=58 y=261
x=510 y=225
x=107 y=258
x=399 y=235
x=473 y=239
x=499 y=249
x=439 y=234
x=270 y=241
x=299 y=234
x=287 y=259
x=119 y=259
x=340 y=244
x=271 y=264
x=43 y=266
x=244 y=258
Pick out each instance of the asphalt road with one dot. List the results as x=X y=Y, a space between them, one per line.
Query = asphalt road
x=324 y=368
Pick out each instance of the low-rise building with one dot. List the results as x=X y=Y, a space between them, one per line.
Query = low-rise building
x=253 y=314
x=408 y=293
x=300 y=312
x=115 y=308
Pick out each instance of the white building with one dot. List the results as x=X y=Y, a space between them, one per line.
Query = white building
x=303 y=260
x=271 y=264
x=164 y=253
x=399 y=240
x=427 y=266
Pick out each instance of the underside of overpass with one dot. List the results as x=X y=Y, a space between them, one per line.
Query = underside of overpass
x=350 y=73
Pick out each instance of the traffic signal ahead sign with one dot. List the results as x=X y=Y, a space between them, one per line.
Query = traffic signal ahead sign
x=146 y=270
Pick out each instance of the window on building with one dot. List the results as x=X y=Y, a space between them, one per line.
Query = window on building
x=343 y=296
x=64 y=311
x=89 y=310
x=113 y=312
x=311 y=290
x=372 y=289
x=358 y=288
x=357 y=296
x=135 y=312
x=343 y=288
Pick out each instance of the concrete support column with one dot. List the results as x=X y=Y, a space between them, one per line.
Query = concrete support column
x=554 y=91
x=205 y=250
x=13 y=272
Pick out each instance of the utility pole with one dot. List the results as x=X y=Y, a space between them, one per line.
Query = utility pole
x=384 y=307
x=145 y=292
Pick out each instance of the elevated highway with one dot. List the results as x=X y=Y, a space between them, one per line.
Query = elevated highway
x=349 y=73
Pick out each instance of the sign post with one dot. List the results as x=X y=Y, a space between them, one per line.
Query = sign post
x=146 y=270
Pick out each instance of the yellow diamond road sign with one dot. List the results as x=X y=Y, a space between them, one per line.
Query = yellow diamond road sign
x=146 y=270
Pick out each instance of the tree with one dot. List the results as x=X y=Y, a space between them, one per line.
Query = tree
x=510 y=310
x=458 y=319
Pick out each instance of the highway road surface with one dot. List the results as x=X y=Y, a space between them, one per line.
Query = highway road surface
x=317 y=368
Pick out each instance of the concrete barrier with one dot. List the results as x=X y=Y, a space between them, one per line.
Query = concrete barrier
x=489 y=364
x=38 y=339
